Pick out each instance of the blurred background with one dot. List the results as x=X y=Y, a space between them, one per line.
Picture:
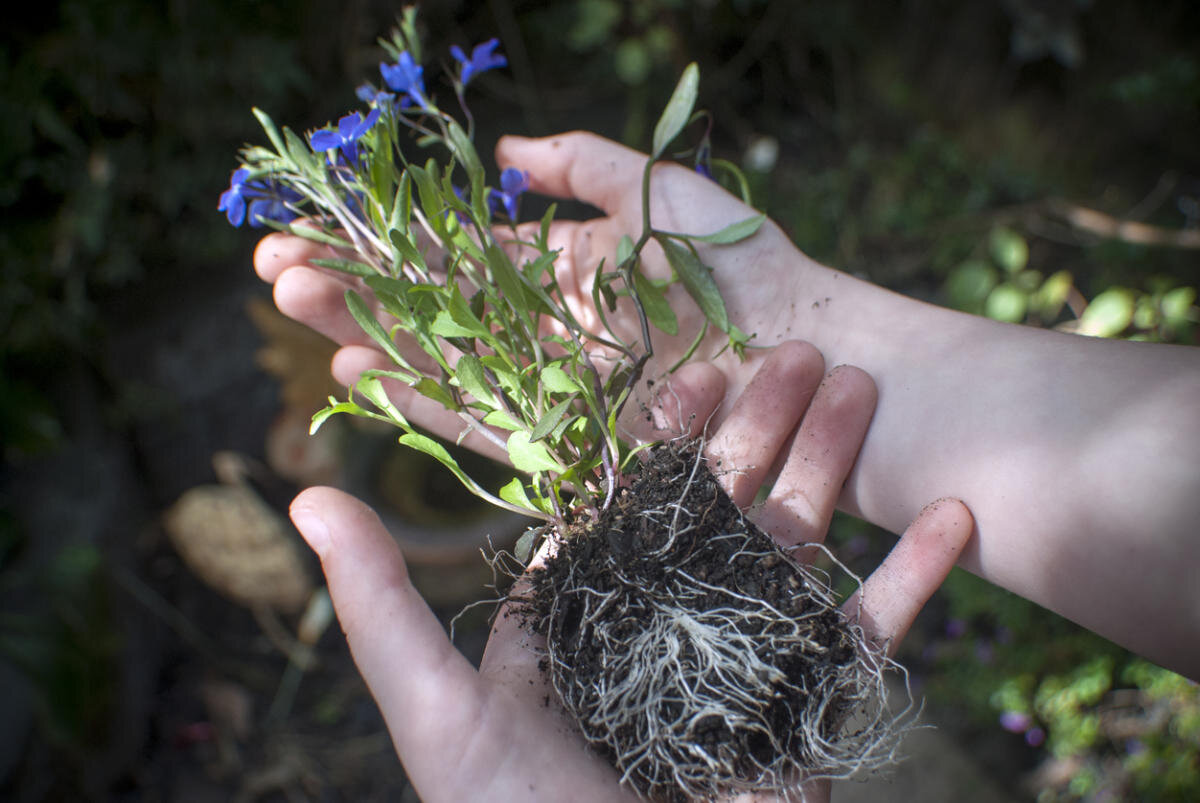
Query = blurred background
x=163 y=635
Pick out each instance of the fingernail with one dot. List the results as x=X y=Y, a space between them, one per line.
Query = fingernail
x=313 y=528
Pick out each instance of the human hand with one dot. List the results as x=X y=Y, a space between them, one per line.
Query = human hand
x=490 y=734
x=757 y=277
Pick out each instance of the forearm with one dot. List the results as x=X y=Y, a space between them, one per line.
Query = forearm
x=1076 y=456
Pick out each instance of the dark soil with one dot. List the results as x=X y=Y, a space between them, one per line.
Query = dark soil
x=616 y=558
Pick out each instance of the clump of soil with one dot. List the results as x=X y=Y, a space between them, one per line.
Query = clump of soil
x=696 y=655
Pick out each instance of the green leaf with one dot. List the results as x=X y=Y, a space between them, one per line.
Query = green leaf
x=473 y=380
x=523 y=550
x=407 y=248
x=1006 y=303
x=551 y=419
x=514 y=493
x=335 y=407
x=272 y=132
x=697 y=279
x=678 y=111
x=556 y=380
x=1047 y=301
x=1177 y=305
x=531 y=457
x=1009 y=249
x=445 y=326
x=314 y=235
x=1108 y=314
x=624 y=250
x=501 y=419
x=506 y=278
x=430 y=389
x=351 y=266
x=654 y=303
x=733 y=233
x=361 y=313
x=429 y=446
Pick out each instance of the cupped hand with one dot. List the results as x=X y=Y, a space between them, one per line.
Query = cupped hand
x=759 y=277
x=496 y=733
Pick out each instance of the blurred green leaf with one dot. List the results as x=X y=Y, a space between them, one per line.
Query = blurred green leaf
x=1006 y=303
x=1109 y=314
x=1008 y=249
x=967 y=287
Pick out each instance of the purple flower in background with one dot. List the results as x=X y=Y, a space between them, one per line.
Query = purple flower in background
x=956 y=628
x=513 y=182
x=1034 y=737
x=704 y=159
x=233 y=200
x=483 y=58
x=405 y=77
x=1015 y=721
x=349 y=130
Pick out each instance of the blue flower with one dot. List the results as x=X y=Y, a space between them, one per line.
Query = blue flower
x=405 y=78
x=368 y=94
x=513 y=182
x=482 y=59
x=274 y=205
x=349 y=129
x=233 y=200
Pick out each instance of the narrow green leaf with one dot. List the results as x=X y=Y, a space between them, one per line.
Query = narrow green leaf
x=514 y=493
x=678 y=111
x=351 y=266
x=654 y=303
x=272 y=132
x=543 y=240
x=408 y=250
x=506 y=278
x=697 y=279
x=473 y=380
x=733 y=233
x=315 y=235
x=372 y=389
x=526 y=456
x=429 y=446
x=430 y=389
x=460 y=312
x=551 y=419
x=556 y=380
x=362 y=314
x=624 y=250
x=335 y=407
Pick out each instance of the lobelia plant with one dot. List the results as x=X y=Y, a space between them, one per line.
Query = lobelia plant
x=696 y=655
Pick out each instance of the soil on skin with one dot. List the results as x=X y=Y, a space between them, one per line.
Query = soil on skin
x=750 y=564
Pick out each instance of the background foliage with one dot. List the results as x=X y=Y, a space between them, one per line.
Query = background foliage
x=942 y=149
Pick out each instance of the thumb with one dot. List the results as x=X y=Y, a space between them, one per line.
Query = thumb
x=426 y=689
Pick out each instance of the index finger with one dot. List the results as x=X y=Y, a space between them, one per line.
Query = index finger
x=575 y=165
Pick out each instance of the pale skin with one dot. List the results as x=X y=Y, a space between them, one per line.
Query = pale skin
x=464 y=734
x=1076 y=456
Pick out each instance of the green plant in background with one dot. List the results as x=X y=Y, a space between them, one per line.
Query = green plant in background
x=1002 y=286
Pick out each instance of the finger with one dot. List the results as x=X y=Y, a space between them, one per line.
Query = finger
x=683 y=407
x=318 y=300
x=801 y=503
x=575 y=165
x=429 y=694
x=279 y=251
x=350 y=362
x=763 y=418
x=894 y=594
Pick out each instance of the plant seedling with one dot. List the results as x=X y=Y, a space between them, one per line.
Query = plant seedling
x=700 y=658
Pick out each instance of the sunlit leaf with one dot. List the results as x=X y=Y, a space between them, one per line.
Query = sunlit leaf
x=473 y=380
x=556 y=380
x=1108 y=314
x=527 y=456
x=655 y=304
x=678 y=111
